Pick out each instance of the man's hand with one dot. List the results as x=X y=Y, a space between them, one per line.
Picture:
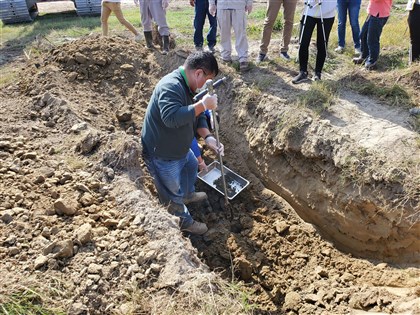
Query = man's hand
x=192 y=3
x=212 y=9
x=210 y=101
x=202 y=166
x=248 y=9
x=165 y=4
x=136 y=2
x=212 y=144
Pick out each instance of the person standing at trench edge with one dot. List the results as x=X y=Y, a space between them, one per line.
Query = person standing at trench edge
x=201 y=9
x=353 y=8
x=378 y=14
x=320 y=14
x=413 y=6
x=273 y=8
x=109 y=6
x=170 y=124
x=154 y=10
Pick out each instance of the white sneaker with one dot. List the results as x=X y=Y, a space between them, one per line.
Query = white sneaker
x=339 y=49
x=137 y=38
x=357 y=51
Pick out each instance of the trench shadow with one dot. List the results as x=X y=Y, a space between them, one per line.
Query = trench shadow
x=42 y=27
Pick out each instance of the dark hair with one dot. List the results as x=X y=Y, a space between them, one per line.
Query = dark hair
x=202 y=60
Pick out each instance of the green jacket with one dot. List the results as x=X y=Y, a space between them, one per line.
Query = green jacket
x=170 y=123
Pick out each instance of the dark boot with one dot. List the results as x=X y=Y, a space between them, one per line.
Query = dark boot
x=149 y=39
x=165 y=48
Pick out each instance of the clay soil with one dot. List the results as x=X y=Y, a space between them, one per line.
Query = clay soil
x=80 y=222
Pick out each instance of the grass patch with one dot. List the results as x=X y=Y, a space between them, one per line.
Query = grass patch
x=27 y=302
x=394 y=95
x=320 y=96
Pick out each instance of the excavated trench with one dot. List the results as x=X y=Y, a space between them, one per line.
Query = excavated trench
x=287 y=264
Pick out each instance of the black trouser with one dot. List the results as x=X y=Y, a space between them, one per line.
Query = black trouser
x=414 y=25
x=308 y=29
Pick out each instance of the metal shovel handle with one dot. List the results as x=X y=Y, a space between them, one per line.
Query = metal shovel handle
x=210 y=88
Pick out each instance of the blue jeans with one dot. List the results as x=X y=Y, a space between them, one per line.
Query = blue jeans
x=353 y=7
x=370 y=36
x=201 y=11
x=174 y=179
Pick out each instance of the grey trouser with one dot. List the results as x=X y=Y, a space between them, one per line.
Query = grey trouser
x=152 y=9
x=236 y=19
x=273 y=7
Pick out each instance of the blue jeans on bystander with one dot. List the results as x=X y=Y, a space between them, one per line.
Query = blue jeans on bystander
x=370 y=36
x=353 y=8
x=174 y=180
x=201 y=11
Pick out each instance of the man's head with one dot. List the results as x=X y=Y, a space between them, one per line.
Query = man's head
x=200 y=66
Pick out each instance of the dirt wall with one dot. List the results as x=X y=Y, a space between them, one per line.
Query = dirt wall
x=359 y=190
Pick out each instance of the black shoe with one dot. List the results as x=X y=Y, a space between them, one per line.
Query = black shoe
x=212 y=49
x=358 y=60
x=301 y=77
x=370 y=65
x=165 y=48
x=149 y=39
x=317 y=76
x=260 y=58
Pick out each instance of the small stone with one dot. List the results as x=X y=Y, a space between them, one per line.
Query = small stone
x=62 y=249
x=79 y=127
x=40 y=262
x=78 y=309
x=6 y=217
x=30 y=156
x=13 y=251
x=123 y=115
x=65 y=207
x=39 y=179
x=281 y=226
x=127 y=67
x=87 y=200
x=94 y=269
x=292 y=301
x=110 y=223
x=84 y=233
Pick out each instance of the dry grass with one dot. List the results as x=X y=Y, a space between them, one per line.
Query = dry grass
x=201 y=296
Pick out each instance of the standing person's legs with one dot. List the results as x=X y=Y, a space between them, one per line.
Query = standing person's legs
x=273 y=7
x=116 y=8
x=146 y=16
x=159 y=15
x=199 y=19
x=363 y=38
x=414 y=25
x=342 y=6
x=211 y=35
x=239 y=22
x=105 y=13
x=306 y=40
x=354 y=10
x=289 y=8
x=224 y=20
x=376 y=26
x=321 y=44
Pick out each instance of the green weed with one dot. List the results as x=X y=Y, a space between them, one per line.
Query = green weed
x=27 y=302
